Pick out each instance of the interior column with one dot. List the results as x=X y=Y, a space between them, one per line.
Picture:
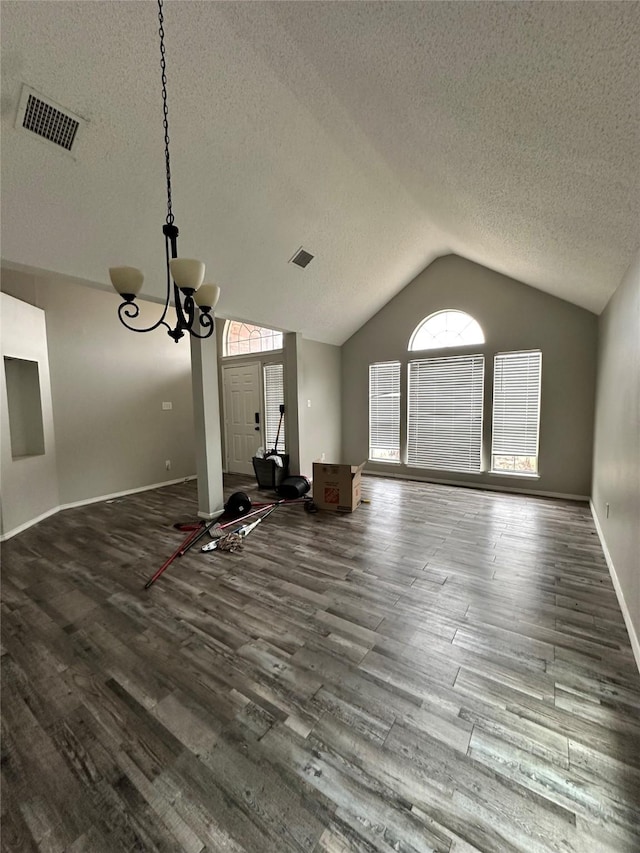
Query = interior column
x=206 y=417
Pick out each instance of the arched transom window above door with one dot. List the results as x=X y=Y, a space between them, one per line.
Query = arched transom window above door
x=446 y=329
x=244 y=338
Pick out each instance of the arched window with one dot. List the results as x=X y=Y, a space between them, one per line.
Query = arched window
x=446 y=329
x=243 y=338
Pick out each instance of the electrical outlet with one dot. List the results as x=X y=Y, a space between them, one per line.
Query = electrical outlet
x=166 y=407
x=167 y=464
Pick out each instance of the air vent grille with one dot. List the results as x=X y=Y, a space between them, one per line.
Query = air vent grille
x=50 y=123
x=302 y=258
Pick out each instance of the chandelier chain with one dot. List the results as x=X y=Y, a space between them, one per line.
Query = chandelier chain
x=194 y=318
x=165 y=109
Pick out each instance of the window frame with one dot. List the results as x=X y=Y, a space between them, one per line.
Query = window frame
x=499 y=472
x=397 y=366
x=437 y=410
x=229 y=324
x=477 y=342
x=486 y=471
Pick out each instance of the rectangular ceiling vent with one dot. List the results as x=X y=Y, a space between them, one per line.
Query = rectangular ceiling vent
x=48 y=120
x=301 y=258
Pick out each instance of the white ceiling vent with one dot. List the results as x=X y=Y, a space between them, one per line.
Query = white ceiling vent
x=301 y=258
x=50 y=121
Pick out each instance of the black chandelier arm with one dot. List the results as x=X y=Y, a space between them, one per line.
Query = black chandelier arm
x=207 y=323
x=130 y=310
x=185 y=308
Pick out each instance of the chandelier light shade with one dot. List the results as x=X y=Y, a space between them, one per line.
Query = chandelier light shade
x=187 y=273
x=127 y=281
x=206 y=297
x=194 y=302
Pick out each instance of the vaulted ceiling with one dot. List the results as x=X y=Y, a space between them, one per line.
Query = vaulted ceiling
x=378 y=136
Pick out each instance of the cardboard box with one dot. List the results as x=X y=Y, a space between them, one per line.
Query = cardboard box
x=337 y=487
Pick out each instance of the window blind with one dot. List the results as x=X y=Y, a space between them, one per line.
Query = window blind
x=273 y=399
x=516 y=411
x=445 y=413
x=384 y=411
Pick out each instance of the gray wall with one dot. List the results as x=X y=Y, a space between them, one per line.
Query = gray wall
x=108 y=385
x=30 y=483
x=513 y=316
x=616 y=456
x=320 y=405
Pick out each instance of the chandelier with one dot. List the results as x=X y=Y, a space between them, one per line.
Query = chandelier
x=194 y=301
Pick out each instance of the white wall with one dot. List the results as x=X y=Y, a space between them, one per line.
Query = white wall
x=616 y=454
x=29 y=483
x=320 y=405
x=108 y=385
x=513 y=316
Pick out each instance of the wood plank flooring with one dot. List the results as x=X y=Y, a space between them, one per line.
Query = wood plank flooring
x=445 y=669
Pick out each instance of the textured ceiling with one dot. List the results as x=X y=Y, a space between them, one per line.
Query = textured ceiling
x=376 y=135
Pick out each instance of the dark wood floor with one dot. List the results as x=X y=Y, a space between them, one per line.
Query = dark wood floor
x=445 y=669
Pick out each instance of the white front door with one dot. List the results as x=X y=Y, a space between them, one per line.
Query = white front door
x=243 y=433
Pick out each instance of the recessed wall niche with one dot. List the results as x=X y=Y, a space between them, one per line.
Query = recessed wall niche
x=25 y=407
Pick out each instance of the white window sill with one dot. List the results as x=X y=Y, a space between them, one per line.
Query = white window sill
x=445 y=470
x=514 y=474
x=385 y=461
x=263 y=353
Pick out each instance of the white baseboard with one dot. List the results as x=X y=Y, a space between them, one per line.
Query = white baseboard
x=209 y=516
x=633 y=637
x=27 y=524
x=135 y=491
x=487 y=487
